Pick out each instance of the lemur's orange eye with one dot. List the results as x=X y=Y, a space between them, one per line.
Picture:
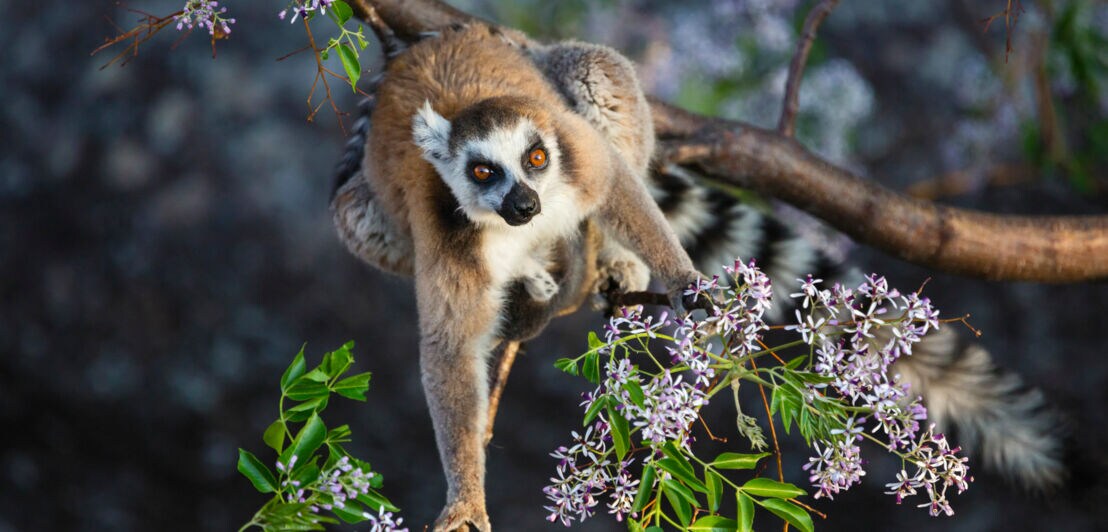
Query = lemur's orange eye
x=482 y=172
x=537 y=158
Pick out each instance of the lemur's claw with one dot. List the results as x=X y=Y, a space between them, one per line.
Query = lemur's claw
x=461 y=514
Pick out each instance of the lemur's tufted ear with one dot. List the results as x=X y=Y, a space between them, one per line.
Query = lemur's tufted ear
x=431 y=133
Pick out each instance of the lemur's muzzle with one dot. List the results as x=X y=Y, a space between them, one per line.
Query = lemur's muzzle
x=520 y=204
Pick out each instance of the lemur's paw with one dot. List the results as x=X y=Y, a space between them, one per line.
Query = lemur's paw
x=461 y=514
x=540 y=286
x=683 y=298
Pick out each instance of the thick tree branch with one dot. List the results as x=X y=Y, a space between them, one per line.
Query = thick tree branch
x=787 y=125
x=409 y=18
x=1044 y=249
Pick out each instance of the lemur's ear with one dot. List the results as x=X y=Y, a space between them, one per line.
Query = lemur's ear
x=431 y=133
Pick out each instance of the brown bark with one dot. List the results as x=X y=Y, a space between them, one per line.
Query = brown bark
x=1028 y=248
x=786 y=125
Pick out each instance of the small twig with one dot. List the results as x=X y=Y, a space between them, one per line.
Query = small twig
x=507 y=358
x=711 y=436
x=1011 y=15
x=786 y=126
x=148 y=26
x=964 y=320
x=320 y=75
x=809 y=508
x=772 y=433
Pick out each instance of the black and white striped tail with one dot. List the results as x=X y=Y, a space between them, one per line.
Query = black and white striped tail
x=714 y=226
x=992 y=411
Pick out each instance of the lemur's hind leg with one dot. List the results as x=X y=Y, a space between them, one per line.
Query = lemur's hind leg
x=362 y=225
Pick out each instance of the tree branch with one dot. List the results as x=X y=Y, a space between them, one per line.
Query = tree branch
x=1024 y=248
x=786 y=125
x=1015 y=248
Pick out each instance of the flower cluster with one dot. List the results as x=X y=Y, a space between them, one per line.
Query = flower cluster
x=858 y=340
x=336 y=485
x=384 y=522
x=206 y=14
x=851 y=337
x=301 y=8
x=938 y=467
x=583 y=472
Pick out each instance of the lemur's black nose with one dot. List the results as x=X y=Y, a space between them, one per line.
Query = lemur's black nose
x=526 y=206
x=520 y=205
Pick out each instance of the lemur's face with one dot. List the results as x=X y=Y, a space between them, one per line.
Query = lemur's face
x=497 y=163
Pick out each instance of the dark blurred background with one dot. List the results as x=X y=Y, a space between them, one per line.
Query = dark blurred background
x=165 y=245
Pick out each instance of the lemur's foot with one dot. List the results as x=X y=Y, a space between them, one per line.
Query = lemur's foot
x=540 y=285
x=461 y=514
x=623 y=276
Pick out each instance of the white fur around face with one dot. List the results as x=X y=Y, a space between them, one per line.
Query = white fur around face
x=431 y=132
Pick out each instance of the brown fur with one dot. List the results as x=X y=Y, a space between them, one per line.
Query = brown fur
x=459 y=309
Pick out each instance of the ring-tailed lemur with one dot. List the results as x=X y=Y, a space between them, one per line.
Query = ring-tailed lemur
x=1006 y=422
x=487 y=177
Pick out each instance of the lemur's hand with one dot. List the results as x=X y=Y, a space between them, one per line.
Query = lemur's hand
x=462 y=513
x=684 y=297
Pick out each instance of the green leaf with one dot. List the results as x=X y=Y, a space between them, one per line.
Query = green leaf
x=595 y=409
x=337 y=362
x=308 y=473
x=353 y=387
x=375 y=501
x=318 y=374
x=274 y=436
x=737 y=460
x=352 y=512
x=340 y=433
x=634 y=391
x=258 y=474
x=796 y=362
x=675 y=468
x=567 y=365
x=621 y=433
x=309 y=438
x=294 y=371
x=342 y=12
x=655 y=529
x=311 y=405
x=764 y=487
x=715 y=489
x=591 y=370
x=594 y=341
x=305 y=388
x=673 y=452
x=646 y=488
x=672 y=486
x=350 y=64
x=680 y=506
x=791 y=513
x=745 y=512
x=714 y=523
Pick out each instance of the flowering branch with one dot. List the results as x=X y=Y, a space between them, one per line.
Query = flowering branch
x=641 y=415
x=785 y=126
